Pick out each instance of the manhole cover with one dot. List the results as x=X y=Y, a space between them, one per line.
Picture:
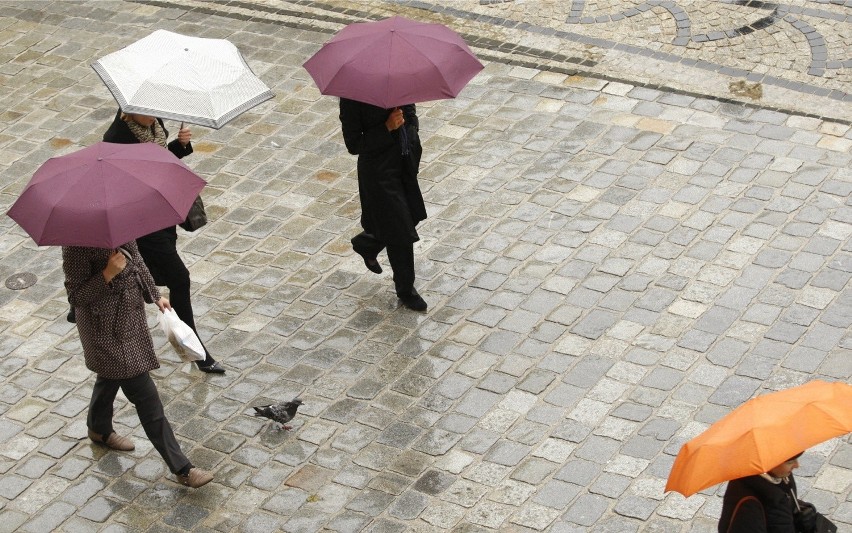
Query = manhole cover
x=20 y=281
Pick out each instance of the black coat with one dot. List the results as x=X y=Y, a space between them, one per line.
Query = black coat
x=771 y=513
x=119 y=132
x=391 y=201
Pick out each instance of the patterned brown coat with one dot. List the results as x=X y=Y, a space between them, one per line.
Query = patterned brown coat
x=111 y=316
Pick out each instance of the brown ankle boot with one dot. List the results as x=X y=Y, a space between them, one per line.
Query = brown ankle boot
x=195 y=478
x=113 y=441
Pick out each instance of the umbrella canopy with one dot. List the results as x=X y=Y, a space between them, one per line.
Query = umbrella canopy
x=190 y=79
x=393 y=62
x=761 y=434
x=106 y=195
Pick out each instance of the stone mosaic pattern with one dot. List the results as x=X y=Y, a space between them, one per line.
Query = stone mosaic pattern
x=798 y=47
x=610 y=268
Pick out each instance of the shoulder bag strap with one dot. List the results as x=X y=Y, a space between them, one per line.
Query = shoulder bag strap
x=740 y=504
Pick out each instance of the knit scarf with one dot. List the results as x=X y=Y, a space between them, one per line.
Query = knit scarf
x=153 y=134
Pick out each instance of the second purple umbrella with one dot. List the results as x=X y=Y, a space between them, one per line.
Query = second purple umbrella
x=393 y=62
x=106 y=195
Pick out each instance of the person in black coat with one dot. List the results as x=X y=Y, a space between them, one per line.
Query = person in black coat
x=159 y=249
x=766 y=503
x=388 y=147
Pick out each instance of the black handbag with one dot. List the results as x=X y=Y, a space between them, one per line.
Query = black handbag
x=807 y=520
x=824 y=525
x=197 y=216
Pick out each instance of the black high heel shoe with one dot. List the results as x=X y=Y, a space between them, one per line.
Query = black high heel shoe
x=215 y=368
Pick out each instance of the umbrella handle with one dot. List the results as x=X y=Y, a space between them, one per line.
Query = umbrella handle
x=403 y=139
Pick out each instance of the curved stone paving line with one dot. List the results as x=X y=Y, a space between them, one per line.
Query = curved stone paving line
x=718 y=64
x=816 y=53
x=819 y=54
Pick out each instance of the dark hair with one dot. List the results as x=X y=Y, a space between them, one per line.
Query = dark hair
x=794 y=457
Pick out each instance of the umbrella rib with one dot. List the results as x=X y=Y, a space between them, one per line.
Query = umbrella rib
x=134 y=93
x=389 y=56
x=435 y=67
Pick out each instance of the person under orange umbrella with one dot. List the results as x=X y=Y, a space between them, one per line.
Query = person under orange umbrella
x=767 y=503
x=748 y=446
x=761 y=433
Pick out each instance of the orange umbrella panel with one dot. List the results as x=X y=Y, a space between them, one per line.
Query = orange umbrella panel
x=761 y=434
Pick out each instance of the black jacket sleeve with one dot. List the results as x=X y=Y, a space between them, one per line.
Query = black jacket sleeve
x=364 y=129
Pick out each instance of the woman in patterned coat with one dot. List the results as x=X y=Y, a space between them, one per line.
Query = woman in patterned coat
x=108 y=290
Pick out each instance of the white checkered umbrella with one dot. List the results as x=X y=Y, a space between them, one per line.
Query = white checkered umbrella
x=182 y=78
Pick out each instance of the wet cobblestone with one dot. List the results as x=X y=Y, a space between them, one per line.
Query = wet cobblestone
x=638 y=219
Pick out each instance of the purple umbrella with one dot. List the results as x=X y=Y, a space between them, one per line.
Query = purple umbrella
x=393 y=62
x=106 y=195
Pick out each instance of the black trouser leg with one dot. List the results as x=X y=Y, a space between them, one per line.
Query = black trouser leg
x=168 y=269
x=99 y=418
x=142 y=393
x=401 y=258
x=365 y=244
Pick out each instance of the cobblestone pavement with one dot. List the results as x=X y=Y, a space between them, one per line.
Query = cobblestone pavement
x=792 y=56
x=612 y=263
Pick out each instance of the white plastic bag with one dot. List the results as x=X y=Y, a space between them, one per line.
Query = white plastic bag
x=181 y=336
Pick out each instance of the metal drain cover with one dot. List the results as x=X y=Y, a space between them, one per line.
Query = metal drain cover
x=20 y=281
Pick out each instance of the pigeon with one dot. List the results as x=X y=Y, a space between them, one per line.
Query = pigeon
x=281 y=413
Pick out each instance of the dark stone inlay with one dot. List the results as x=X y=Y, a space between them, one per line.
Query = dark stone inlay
x=20 y=281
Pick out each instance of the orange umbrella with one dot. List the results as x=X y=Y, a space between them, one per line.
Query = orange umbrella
x=761 y=434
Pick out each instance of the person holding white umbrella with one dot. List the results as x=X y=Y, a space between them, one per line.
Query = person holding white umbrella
x=159 y=249
x=183 y=78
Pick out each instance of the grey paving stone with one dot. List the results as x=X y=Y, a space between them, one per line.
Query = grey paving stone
x=610 y=485
x=556 y=494
x=48 y=520
x=734 y=391
x=696 y=340
x=785 y=332
x=717 y=319
x=635 y=507
x=587 y=372
x=477 y=402
x=663 y=378
x=370 y=502
x=305 y=520
x=436 y=442
x=348 y=521
x=72 y=467
x=409 y=505
x=98 y=509
x=587 y=509
x=594 y=324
